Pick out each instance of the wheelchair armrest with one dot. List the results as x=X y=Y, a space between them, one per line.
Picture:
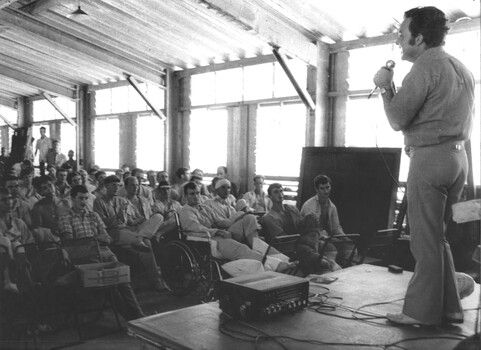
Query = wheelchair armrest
x=198 y=236
x=285 y=238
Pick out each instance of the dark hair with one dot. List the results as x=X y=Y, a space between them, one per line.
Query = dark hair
x=430 y=22
x=190 y=186
x=128 y=180
x=137 y=170
x=27 y=171
x=180 y=172
x=272 y=187
x=214 y=181
x=321 y=180
x=66 y=166
x=61 y=170
x=223 y=167
x=71 y=175
x=41 y=180
x=43 y=127
x=78 y=189
x=99 y=173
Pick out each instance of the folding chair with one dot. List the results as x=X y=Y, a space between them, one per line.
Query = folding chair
x=343 y=244
x=86 y=250
x=378 y=248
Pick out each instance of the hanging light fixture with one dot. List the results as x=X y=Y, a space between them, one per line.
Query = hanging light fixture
x=78 y=12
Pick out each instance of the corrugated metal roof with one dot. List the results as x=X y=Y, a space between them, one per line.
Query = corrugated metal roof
x=44 y=48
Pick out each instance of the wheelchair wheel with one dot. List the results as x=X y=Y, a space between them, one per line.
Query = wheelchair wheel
x=180 y=270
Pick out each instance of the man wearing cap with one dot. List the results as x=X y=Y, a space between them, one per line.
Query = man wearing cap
x=113 y=212
x=242 y=226
x=166 y=206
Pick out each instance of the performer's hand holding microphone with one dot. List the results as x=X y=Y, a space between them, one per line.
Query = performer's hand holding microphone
x=383 y=78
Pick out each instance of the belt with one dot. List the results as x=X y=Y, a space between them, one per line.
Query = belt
x=455 y=145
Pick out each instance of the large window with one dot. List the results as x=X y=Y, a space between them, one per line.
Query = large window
x=280 y=138
x=263 y=81
x=123 y=105
x=107 y=142
x=208 y=139
x=44 y=111
x=150 y=142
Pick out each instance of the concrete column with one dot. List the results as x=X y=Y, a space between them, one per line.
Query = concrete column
x=321 y=137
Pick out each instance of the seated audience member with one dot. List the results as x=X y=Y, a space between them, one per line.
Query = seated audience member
x=222 y=174
x=113 y=212
x=257 y=199
x=20 y=209
x=54 y=156
x=75 y=179
x=198 y=181
x=99 y=179
x=67 y=167
x=91 y=180
x=120 y=174
x=151 y=179
x=84 y=175
x=200 y=220
x=47 y=211
x=164 y=205
x=142 y=190
x=13 y=232
x=140 y=217
x=27 y=190
x=62 y=188
x=321 y=208
x=282 y=219
x=52 y=172
x=183 y=176
x=80 y=222
x=198 y=176
x=163 y=176
x=244 y=225
x=230 y=198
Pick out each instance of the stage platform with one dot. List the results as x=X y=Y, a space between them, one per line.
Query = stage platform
x=348 y=311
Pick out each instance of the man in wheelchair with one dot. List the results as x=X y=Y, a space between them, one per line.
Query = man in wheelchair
x=200 y=220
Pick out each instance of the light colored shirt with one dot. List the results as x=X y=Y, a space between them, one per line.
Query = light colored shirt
x=312 y=205
x=200 y=219
x=435 y=103
x=43 y=145
x=260 y=203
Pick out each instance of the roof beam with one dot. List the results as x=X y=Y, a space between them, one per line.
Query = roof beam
x=37 y=82
x=457 y=27
x=28 y=24
x=7 y=121
x=273 y=31
x=135 y=85
x=6 y=3
x=57 y=107
x=8 y=102
x=39 y=6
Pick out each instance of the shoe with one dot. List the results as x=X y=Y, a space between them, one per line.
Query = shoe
x=465 y=284
x=403 y=319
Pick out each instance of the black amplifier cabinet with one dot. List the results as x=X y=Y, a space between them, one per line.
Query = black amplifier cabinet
x=263 y=295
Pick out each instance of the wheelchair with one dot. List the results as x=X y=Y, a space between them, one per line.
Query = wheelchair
x=187 y=264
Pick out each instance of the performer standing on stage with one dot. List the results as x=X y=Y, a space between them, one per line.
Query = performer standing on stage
x=434 y=110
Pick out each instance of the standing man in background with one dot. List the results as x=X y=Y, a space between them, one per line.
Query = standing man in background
x=43 y=145
x=434 y=110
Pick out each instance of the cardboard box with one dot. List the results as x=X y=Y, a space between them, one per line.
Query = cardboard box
x=103 y=274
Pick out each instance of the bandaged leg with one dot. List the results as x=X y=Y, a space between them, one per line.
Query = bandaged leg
x=149 y=228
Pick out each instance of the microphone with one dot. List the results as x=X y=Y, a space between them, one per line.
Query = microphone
x=389 y=66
